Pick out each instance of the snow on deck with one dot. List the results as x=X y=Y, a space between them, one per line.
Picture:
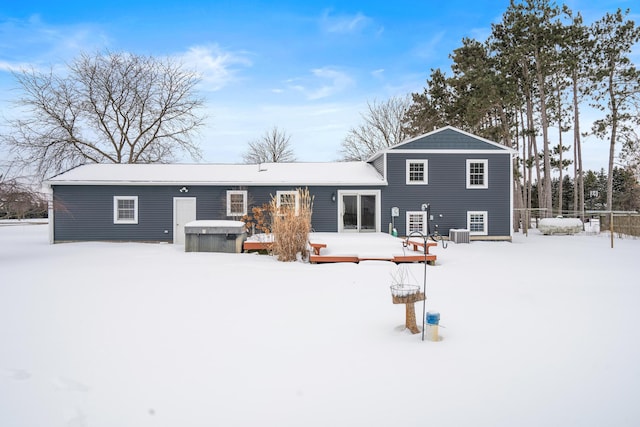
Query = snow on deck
x=364 y=245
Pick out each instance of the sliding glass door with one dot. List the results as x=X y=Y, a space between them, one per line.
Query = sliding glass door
x=359 y=210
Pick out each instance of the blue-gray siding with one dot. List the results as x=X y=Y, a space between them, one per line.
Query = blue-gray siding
x=378 y=164
x=448 y=139
x=85 y=213
x=446 y=192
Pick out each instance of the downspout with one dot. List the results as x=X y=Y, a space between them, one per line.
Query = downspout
x=512 y=183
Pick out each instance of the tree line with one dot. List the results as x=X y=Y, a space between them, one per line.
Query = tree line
x=625 y=196
x=540 y=66
x=531 y=78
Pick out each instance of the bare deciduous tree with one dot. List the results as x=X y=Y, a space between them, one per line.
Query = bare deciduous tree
x=19 y=200
x=274 y=146
x=112 y=107
x=382 y=127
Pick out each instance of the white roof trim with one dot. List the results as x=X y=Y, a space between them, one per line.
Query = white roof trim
x=453 y=151
x=461 y=151
x=221 y=183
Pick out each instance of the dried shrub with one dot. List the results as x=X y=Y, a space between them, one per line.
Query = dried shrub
x=259 y=220
x=291 y=224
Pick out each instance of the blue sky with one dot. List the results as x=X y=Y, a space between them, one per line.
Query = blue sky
x=307 y=67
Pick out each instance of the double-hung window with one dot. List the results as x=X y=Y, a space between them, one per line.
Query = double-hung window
x=477 y=223
x=236 y=203
x=477 y=173
x=125 y=209
x=287 y=200
x=416 y=221
x=417 y=172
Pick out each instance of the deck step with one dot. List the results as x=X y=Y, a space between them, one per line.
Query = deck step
x=431 y=258
x=314 y=259
x=250 y=245
x=333 y=258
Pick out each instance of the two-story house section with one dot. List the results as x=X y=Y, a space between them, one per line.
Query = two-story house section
x=448 y=179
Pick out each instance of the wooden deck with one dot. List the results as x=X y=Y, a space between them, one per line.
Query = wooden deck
x=420 y=246
x=398 y=259
x=416 y=256
x=250 y=245
x=315 y=259
x=320 y=252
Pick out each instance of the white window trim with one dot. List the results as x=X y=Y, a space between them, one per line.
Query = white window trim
x=486 y=173
x=485 y=215
x=295 y=196
x=424 y=221
x=425 y=162
x=116 y=220
x=244 y=202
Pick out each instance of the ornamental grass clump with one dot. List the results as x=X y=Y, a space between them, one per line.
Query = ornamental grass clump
x=291 y=224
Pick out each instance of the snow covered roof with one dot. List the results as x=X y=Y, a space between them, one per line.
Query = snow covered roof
x=328 y=173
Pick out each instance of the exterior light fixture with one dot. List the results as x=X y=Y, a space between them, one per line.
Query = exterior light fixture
x=333 y=197
x=184 y=190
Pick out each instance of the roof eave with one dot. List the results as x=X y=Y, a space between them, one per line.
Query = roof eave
x=217 y=183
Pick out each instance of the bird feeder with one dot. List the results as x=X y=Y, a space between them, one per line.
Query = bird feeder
x=408 y=295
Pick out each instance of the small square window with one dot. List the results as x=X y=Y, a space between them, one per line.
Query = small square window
x=236 y=203
x=125 y=209
x=417 y=172
x=416 y=221
x=477 y=223
x=288 y=200
x=477 y=173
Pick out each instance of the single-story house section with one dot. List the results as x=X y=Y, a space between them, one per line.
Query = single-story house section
x=438 y=181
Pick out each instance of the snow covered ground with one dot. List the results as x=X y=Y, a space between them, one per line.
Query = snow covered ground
x=543 y=331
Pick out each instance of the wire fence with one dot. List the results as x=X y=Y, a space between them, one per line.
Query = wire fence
x=624 y=223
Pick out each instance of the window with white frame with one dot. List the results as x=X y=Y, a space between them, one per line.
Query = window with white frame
x=236 y=202
x=125 y=209
x=477 y=223
x=416 y=221
x=477 y=173
x=417 y=171
x=287 y=199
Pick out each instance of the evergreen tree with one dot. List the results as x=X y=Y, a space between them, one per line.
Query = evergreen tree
x=578 y=47
x=626 y=190
x=615 y=81
x=431 y=108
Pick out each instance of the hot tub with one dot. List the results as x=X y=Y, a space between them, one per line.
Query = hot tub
x=214 y=236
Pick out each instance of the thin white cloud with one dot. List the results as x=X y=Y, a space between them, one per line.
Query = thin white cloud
x=216 y=67
x=432 y=47
x=325 y=82
x=344 y=24
x=378 y=74
x=47 y=44
x=14 y=66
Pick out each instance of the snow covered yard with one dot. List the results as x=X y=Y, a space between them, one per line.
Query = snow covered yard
x=539 y=332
